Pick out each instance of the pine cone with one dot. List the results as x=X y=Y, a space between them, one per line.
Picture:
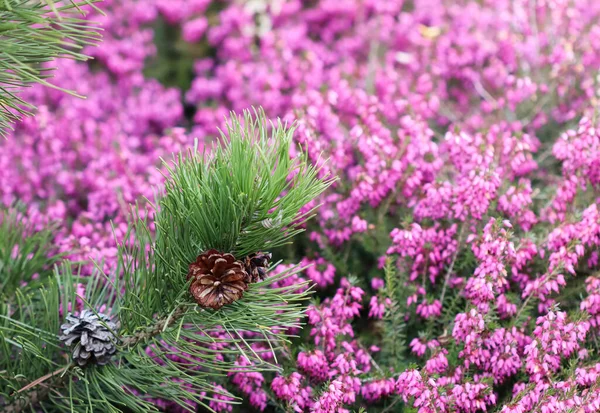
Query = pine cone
x=256 y=266
x=217 y=279
x=90 y=336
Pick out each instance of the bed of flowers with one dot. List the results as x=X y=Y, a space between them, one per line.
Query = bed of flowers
x=455 y=259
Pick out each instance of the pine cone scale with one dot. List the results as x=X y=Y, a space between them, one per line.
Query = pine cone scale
x=233 y=277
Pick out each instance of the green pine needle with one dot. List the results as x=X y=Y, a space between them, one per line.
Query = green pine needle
x=24 y=252
x=32 y=33
x=242 y=198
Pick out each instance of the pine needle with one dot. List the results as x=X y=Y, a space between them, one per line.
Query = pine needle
x=32 y=34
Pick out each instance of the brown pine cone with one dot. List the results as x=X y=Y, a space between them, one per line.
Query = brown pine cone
x=256 y=266
x=217 y=279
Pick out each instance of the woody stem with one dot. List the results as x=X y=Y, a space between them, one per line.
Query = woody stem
x=154 y=330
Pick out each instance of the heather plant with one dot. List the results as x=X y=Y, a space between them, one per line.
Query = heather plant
x=454 y=262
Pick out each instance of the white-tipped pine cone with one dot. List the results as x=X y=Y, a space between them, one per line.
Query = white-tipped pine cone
x=90 y=336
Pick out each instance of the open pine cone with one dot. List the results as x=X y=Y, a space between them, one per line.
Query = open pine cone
x=90 y=336
x=256 y=266
x=217 y=279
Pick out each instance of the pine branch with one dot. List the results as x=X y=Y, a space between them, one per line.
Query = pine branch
x=32 y=34
x=243 y=197
x=148 y=314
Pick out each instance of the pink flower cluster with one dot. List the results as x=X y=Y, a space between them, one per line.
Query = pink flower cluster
x=456 y=257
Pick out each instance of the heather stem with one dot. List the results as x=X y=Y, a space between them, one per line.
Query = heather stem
x=447 y=278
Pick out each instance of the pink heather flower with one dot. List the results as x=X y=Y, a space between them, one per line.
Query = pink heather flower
x=506 y=309
x=193 y=30
x=290 y=390
x=377 y=283
x=378 y=389
x=468 y=327
x=591 y=303
x=345 y=364
x=331 y=400
x=579 y=151
x=314 y=364
x=427 y=251
x=319 y=271
x=554 y=339
x=425 y=395
x=359 y=225
x=420 y=345
x=493 y=251
x=221 y=399
x=377 y=309
x=332 y=318
x=249 y=383
x=428 y=310
x=473 y=397
x=286 y=388
x=515 y=203
x=566 y=244
x=258 y=400
x=438 y=363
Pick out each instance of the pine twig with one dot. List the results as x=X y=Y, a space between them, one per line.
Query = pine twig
x=154 y=330
x=44 y=378
x=32 y=397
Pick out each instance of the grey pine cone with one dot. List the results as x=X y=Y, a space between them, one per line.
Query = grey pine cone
x=90 y=337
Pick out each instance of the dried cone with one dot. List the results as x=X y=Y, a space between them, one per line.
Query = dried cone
x=217 y=279
x=91 y=337
x=256 y=266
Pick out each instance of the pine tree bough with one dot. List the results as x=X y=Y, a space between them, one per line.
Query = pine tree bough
x=206 y=206
x=35 y=396
x=31 y=395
